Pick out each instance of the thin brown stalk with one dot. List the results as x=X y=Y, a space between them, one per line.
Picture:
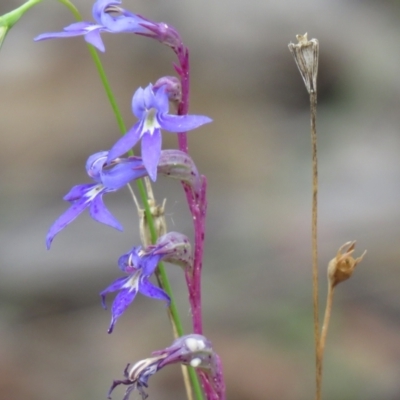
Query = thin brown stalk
x=314 y=235
x=305 y=54
x=325 y=325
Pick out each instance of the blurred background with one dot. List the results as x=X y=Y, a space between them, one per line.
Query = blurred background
x=257 y=158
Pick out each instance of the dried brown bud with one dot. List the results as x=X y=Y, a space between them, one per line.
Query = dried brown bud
x=157 y=212
x=342 y=266
x=305 y=54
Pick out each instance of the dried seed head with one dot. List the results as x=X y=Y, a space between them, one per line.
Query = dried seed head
x=342 y=266
x=305 y=54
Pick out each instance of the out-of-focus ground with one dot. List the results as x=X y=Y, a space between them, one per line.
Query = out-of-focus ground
x=256 y=155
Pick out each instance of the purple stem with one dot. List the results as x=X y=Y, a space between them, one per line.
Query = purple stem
x=197 y=204
x=198 y=209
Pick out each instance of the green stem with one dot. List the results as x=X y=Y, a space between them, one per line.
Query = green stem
x=165 y=281
x=13 y=16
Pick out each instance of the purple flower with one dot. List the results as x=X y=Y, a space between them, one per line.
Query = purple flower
x=90 y=195
x=139 y=266
x=194 y=350
x=151 y=108
x=103 y=13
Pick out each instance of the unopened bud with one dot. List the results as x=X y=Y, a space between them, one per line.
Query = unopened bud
x=172 y=86
x=343 y=265
x=177 y=164
x=305 y=54
x=176 y=249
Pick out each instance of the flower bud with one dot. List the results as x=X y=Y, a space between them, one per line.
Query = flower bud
x=342 y=266
x=175 y=248
x=173 y=87
x=164 y=33
x=178 y=165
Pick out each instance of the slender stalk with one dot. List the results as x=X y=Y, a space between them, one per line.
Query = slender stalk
x=305 y=54
x=314 y=234
x=325 y=325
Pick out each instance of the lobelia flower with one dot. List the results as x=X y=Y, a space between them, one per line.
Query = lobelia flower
x=90 y=195
x=140 y=264
x=194 y=350
x=103 y=13
x=151 y=108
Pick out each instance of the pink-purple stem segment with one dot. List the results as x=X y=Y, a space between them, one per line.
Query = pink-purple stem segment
x=198 y=208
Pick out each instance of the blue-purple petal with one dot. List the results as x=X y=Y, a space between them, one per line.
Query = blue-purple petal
x=161 y=100
x=136 y=259
x=123 y=262
x=65 y=219
x=79 y=191
x=149 y=263
x=152 y=291
x=116 y=285
x=151 y=151
x=127 y=22
x=122 y=173
x=148 y=97
x=80 y=26
x=93 y=37
x=131 y=257
x=75 y=29
x=95 y=164
x=181 y=123
x=55 y=35
x=120 y=304
x=99 y=7
x=126 y=142
x=100 y=213
x=138 y=106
